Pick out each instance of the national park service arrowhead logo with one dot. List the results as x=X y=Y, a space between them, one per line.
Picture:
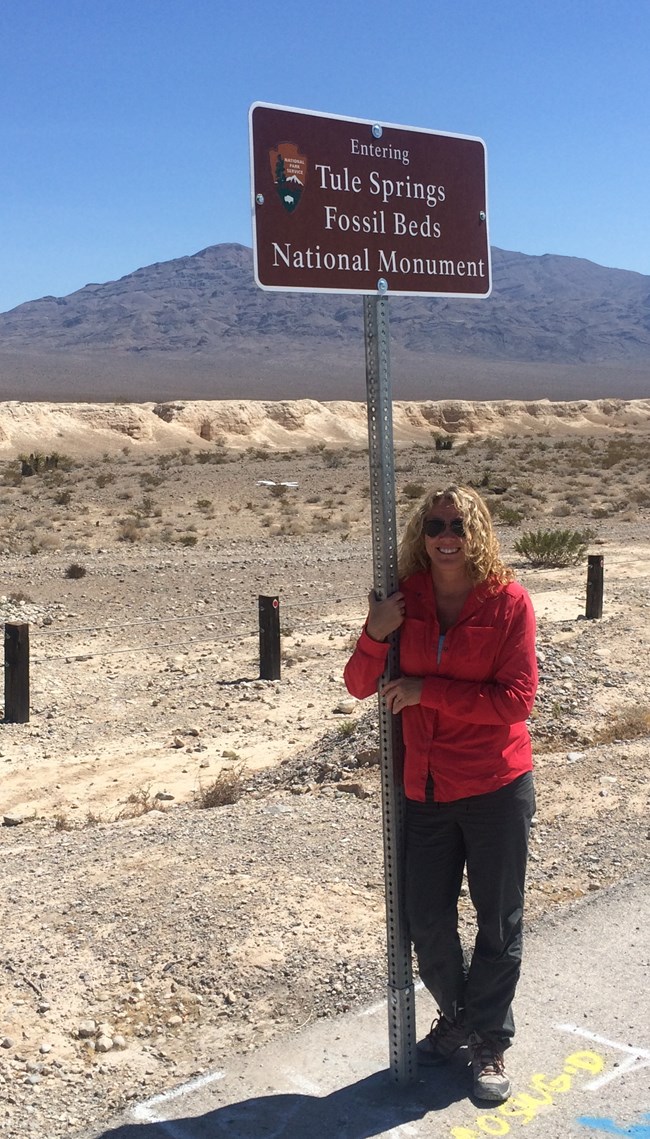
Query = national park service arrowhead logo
x=289 y=170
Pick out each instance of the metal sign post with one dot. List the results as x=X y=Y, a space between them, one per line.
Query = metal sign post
x=401 y=1004
x=352 y=206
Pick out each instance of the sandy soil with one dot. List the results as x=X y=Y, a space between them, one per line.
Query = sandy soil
x=145 y=937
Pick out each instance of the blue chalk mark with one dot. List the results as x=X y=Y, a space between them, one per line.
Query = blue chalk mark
x=600 y=1123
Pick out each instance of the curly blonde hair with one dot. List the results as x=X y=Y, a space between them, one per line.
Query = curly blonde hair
x=481 y=546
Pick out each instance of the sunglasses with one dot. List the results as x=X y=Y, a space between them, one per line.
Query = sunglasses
x=433 y=527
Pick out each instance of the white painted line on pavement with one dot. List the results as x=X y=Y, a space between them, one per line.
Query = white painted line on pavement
x=638 y=1058
x=144 y=1112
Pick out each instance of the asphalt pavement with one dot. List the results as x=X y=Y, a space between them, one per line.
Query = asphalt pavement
x=580 y=1063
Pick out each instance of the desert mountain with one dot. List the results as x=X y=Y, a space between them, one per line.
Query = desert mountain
x=198 y=327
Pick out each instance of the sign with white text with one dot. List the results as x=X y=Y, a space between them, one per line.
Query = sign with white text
x=354 y=206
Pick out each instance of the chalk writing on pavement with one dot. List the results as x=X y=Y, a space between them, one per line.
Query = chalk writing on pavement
x=638 y=1130
x=524 y=1107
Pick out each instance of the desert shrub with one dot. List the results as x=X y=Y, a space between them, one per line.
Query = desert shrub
x=147 y=507
x=139 y=803
x=291 y=526
x=225 y=789
x=414 y=490
x=104 y=478
x=63 y=497
x=44 y=542
x=62 y=822
x=37 y=463
x=218 y=456
x=628 y=724
x=129 y=530
x=443 y=443
x=333 y=459
x=553 y=547
x=509 y=515
x=188 y=539
x=347 y=729
x=75 y=570
x=617 y=451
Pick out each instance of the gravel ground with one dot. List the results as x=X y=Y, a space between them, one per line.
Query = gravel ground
x=145 y=939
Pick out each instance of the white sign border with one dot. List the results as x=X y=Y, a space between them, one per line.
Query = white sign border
x=362 y=122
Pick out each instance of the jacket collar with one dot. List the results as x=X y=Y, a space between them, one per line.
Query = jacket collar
x=421 y=584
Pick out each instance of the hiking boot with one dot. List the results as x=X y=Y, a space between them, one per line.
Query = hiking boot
x=443 y=1039
x=491 y=1081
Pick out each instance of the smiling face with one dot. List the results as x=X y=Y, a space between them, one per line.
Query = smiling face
x=446 y=551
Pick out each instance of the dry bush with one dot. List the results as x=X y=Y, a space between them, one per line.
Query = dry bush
x=42 y=542
x=139 y=803
x=226 y=789
x=129 y=530
x=414 y=490
x=628 y=724
x=75 y=570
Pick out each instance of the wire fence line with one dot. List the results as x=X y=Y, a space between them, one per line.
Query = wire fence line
x=204 y=615
x=291 y=608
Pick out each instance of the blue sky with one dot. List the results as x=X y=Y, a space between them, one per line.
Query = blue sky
x=124 y=134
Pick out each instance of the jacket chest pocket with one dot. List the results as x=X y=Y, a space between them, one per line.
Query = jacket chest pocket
x=470 y=652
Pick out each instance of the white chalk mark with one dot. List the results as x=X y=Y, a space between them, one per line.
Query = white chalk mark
x=143 y=1111
x=402 y=1129
x=638 y=1058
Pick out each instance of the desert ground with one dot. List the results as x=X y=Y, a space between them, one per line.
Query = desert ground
x=191 y=856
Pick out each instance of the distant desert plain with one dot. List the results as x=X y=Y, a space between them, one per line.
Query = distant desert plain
x=191 y=856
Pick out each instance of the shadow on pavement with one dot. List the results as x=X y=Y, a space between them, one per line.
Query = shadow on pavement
x=368 y=1108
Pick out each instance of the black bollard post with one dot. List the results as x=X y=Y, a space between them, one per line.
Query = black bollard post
x=269 y=610
x=17 y=673
x=594 y=607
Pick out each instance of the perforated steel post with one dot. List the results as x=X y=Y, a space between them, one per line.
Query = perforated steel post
x=401 y=1004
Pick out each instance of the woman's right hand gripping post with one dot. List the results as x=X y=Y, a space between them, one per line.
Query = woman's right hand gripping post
x=384 y=617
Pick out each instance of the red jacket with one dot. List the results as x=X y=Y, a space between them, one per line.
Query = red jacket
x=469 y=728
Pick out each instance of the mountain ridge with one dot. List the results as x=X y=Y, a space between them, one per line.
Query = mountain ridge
x=201 y=315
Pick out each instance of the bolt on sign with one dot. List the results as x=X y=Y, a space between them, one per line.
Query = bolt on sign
x=354 y=206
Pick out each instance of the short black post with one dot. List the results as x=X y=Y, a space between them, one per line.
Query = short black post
x=17 y=673
x=594 y=606
x=269 y=638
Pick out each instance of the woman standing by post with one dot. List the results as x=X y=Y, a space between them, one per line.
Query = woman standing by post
x=467 y=685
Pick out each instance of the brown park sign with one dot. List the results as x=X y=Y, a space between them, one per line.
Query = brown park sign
x=351 y=206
